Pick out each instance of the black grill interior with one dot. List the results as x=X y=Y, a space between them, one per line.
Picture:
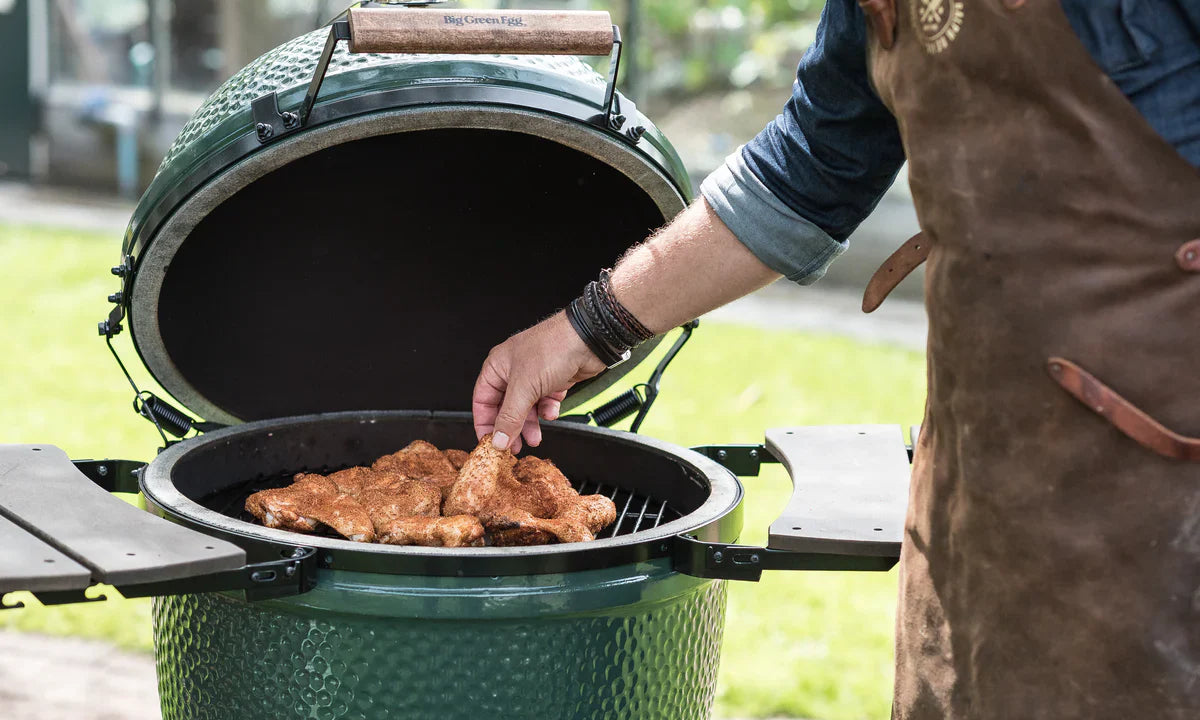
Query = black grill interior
x=377 y=274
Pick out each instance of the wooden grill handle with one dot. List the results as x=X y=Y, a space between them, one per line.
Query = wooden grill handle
x=514 y=32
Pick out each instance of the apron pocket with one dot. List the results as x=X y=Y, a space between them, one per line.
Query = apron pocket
x=1123 y=415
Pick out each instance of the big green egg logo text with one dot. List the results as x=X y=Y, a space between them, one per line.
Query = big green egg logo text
x=484 y=20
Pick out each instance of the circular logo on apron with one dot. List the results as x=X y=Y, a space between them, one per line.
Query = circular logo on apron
x=937 y=22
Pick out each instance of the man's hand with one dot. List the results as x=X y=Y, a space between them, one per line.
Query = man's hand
x=691 y=266
x=526 y=378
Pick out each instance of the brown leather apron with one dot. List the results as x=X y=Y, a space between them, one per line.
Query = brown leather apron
x=1051 y=567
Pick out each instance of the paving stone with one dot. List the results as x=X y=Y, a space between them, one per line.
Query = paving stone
x=54 y=678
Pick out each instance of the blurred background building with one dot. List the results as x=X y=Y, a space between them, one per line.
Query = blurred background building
x=96 y=90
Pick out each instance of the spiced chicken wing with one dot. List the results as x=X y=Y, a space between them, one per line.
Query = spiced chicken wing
x=453 y=531
x=421 y=495
x=420 y=460
x=365 y=505
x=525 y=503
x=311 y=501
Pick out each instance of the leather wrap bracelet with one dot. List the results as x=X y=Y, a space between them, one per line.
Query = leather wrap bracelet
x=576 y=315
x=632 y=331
x=604 y=324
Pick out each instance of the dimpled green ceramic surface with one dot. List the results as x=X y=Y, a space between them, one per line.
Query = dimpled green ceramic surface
x=393 y=647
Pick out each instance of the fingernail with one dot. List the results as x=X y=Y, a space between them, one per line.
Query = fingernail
x=500 y=441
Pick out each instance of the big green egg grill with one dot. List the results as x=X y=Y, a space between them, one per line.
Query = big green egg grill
x=323 y=260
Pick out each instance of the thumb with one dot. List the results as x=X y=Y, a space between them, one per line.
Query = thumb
x=518 y=401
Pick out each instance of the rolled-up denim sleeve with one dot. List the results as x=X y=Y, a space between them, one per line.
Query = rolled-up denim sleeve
x=795 y=192
x=783 y=240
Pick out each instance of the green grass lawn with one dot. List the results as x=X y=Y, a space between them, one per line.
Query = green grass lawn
x=797 y=644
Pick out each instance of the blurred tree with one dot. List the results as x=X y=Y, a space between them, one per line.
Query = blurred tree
x=693 y=46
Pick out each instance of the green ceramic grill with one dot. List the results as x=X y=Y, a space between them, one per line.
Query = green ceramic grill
x=325 y=256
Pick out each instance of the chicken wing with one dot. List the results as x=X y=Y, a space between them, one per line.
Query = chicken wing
x=386 y=504
x=420 y=460
x=528 y=502
x=312 y=501
x=478 y=480
x=518 y=535
x=592 y=512
x=357 y=503
x=456 y=457
x=453 y=531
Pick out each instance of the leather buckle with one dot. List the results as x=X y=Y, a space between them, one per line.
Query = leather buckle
x=624 y=356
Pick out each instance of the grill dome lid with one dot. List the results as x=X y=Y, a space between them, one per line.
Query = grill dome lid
x=431 y=206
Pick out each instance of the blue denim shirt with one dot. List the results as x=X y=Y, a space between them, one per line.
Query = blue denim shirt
x=795 y=192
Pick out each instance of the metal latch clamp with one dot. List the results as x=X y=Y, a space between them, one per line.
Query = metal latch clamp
x=640 y=398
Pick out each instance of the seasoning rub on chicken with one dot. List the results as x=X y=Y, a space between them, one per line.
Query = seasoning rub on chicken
x=421 y=495
x=370 y=505
x=527 y=502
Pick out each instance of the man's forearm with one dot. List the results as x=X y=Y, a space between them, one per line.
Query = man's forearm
x=688 y=268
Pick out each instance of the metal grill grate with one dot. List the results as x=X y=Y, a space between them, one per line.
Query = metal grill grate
x=634 y=511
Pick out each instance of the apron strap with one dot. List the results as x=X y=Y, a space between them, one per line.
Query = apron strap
x=881 y=14
x=1126 y=417
x=893 y=270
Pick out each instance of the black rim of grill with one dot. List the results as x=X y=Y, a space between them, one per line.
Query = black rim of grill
x=706 y=502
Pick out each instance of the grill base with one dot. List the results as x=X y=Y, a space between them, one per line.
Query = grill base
x=447 y=657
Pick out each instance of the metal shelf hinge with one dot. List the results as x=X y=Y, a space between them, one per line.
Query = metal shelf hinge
x=741 y=460
x=294 y=574
x=113 y=475
x=724 y=561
